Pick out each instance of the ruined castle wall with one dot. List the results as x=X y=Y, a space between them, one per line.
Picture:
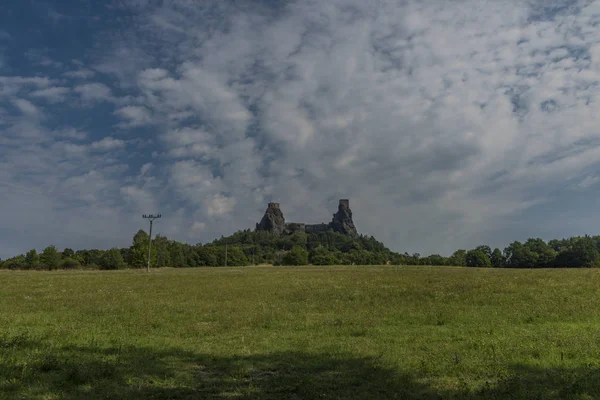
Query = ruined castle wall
x=292 y=227
x=316 y=228
x=273 y=221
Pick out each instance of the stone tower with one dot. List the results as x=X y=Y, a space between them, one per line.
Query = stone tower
x=342 y=219
x=273 y=220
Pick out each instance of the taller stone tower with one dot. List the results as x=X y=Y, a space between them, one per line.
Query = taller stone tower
x=273 y=220
x=342 y=219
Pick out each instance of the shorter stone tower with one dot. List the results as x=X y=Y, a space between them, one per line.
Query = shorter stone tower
x=342 y=220
x=273 y=220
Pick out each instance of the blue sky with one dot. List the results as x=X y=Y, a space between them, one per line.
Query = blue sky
x=446 y=124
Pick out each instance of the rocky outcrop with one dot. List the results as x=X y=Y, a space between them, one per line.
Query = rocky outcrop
x=342 y=220
x=273 y=220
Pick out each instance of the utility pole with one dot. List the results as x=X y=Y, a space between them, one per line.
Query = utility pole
x=150 y=217
x=225 y=254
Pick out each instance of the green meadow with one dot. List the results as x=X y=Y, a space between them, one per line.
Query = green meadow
x=301 y=333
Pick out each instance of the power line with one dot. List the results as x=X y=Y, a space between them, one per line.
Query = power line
x=27 y=190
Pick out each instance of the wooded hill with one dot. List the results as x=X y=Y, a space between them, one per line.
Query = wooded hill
x=249 y=247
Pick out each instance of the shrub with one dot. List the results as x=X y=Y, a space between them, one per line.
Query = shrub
x=17 y=262
x=112 y=259
x=477 y=258
x=296 y=256
x=69 y=263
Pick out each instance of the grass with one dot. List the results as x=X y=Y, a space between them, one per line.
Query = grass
x=301 y=333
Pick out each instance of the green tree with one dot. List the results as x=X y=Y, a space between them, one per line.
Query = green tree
x=519 y=256
x=299 y=238
x=160 y=247
x=582 y=254
x=207 y=256
x=485 y=249
x=546 y=255
x=125 y=253
x=50 y=258
x=458 y=258
x=17 y=262
x=497 y=259
x=559 y=245
x=321 y=256
x=477 y=258
x=536 y=245
x=254 y=254
x=79 y=259
x=112 y=259
x=235 y=256
x=32 y=259
x=296 y=256
x=89 y=258
x=68 y=253
x=177 y=255
x=547 y=258
x=408 y=259
x=138 y=252
x=434 y=259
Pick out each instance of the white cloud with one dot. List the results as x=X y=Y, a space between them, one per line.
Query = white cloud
x=142 y=199
x=401 y=103
x=145 y=169
x=54 y=94
x=41 y=59
x=444 y=123
x=92 y=92
x=189 y=142
x=588 y=182
x=201 y=90
x=153 y=74
x=72 y=133
x=198 y=226
x=193 y=180
x=107 y=143
x=59 y=194
x=220 y=205
x=82 y=73
x=134 y=116
x=12 y=85
x=27 y=108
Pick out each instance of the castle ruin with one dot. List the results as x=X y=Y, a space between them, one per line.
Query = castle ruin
x=273 y=221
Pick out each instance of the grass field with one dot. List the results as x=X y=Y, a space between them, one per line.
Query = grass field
x=301 y=333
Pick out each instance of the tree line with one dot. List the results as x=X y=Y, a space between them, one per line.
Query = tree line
x=247 y=247
x=574 y=252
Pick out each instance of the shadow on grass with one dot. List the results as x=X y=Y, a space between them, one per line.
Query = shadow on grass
x=33 y=370
x=526 y=382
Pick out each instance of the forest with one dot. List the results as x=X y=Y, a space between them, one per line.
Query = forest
x=247 y=247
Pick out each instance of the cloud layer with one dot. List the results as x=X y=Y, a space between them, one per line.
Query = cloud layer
x=447 y=125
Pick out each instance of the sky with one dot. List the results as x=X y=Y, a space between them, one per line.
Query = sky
x=448 y=124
